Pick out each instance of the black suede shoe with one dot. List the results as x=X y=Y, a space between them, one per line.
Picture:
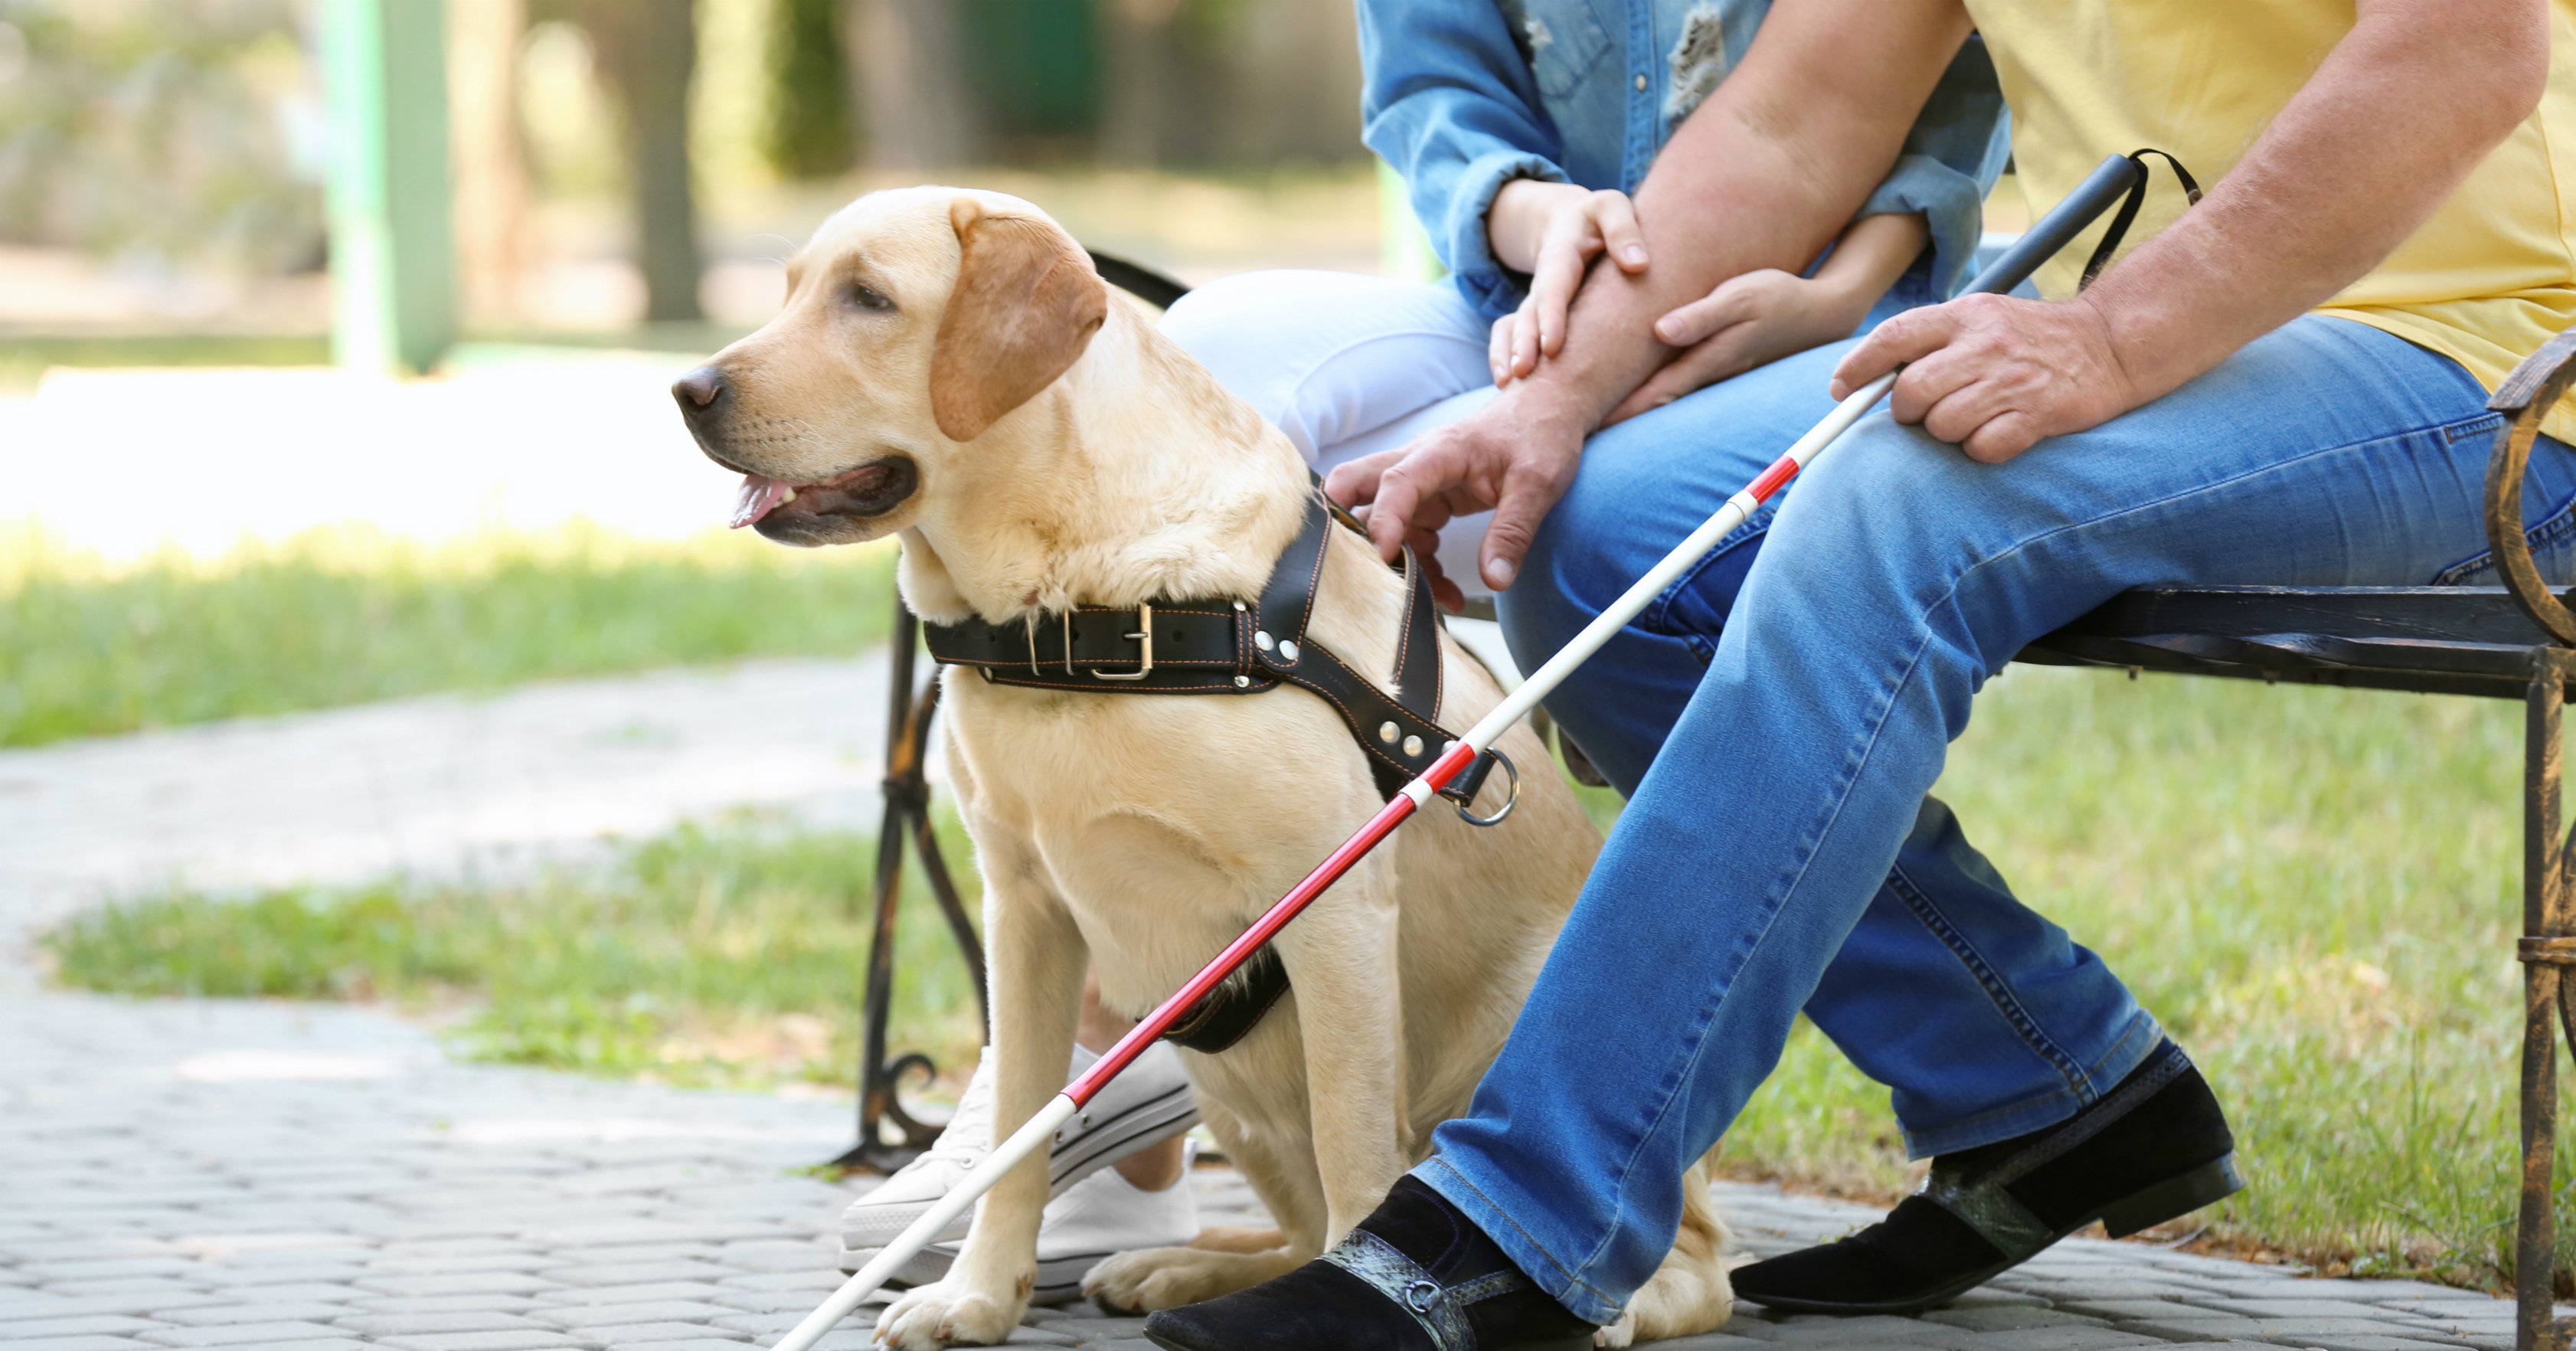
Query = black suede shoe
x=1415 y=1276
x=2153 y=1148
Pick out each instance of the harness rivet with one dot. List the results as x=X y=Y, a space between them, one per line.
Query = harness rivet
x=1261 y=639
x=1238 y=607
x=1386 y=732
x=1288 y=650
x=1243 y=682
x=1412 y=747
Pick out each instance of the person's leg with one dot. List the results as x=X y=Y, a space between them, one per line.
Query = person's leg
x=1347 y=366
x=1329 y=356
x=1892 y=582
x=2046 y=1026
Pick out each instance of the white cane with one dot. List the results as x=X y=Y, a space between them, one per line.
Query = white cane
x=2114 y=177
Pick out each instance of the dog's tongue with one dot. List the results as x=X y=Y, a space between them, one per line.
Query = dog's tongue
x=760 y=496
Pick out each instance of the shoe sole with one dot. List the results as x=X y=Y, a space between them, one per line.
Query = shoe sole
x=2170 y=1199
x=1138 y=1128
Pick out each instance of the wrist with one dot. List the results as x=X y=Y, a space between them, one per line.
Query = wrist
x=1516 y=220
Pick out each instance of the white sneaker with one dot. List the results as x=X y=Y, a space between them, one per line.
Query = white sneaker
x=1147 y=1104
x=1095 y=1219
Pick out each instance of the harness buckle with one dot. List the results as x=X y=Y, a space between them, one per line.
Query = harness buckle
x=1145 y=625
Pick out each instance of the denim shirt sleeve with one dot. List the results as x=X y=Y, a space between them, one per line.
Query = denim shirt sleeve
x=1951 y=159
x=1449 y=101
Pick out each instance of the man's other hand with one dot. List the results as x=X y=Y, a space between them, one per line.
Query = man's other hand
x=1995 y=375
x=1515 y=457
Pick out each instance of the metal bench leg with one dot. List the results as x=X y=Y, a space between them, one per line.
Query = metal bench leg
x=907 y=817
x=2545 y=952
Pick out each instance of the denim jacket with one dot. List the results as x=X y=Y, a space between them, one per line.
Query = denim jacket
x=1463 y=96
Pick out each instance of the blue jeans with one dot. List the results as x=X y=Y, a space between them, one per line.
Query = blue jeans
x=1779 y=714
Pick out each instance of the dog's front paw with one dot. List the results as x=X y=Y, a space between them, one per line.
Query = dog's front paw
x=1167 y=1278
x=947 y=1313
x=1620 y=1333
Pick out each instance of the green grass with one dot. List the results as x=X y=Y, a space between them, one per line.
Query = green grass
x=24 y=359
x=2316 y=890
x=340 y=617
x=726 y=955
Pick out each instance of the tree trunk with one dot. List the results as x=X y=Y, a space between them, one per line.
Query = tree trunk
x=650 y=49
x=910 y=67
x=483 y=39
x=1136 y=40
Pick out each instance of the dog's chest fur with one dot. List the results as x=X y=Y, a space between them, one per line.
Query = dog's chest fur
x=1165 y=825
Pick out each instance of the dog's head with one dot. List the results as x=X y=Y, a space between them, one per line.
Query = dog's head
x=915 y=320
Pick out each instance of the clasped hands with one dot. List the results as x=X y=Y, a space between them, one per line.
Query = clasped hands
x=1991 y=374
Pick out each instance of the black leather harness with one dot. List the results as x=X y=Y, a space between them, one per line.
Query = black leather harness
x=1230 y=645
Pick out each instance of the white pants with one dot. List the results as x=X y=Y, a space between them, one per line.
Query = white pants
x=1347 y=365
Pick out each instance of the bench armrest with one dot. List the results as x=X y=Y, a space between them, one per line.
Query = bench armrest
x=2528 y=394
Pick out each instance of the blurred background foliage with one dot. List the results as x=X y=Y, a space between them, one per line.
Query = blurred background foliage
x=176 y=139
x=161 y=132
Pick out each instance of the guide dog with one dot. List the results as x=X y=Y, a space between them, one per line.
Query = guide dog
x=951 y=369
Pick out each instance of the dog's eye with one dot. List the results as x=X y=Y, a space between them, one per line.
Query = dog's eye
x=868 y=298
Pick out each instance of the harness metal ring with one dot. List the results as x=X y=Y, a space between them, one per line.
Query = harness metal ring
x=1422 y=1295
x=1515 y=800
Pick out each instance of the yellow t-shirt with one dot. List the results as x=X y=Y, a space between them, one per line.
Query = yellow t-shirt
x=2488 y=279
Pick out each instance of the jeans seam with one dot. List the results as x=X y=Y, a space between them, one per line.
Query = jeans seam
x=1983 y=972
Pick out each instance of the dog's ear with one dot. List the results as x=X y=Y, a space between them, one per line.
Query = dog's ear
x=1026 y=304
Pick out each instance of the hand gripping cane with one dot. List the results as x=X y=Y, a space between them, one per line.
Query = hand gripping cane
x=2115 y=177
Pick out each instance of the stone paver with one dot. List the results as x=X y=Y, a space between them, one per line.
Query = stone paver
x=197 y=1173
x=164 y=1211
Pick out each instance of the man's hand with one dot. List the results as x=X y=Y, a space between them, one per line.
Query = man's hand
x=1994 y=375
x=1553 y=231
x=1515 y=457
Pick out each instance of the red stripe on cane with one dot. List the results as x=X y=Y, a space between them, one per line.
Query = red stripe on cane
x=1241 y=949
x=1781 y=471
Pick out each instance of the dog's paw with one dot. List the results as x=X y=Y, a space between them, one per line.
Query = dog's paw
x=1620 y=1333
x=944 y=1314
x=1167 y=1278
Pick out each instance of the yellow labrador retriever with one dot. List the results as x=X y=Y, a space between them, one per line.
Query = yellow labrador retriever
x=950 y=367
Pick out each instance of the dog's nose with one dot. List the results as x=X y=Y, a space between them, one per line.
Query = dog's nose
x=699 y=389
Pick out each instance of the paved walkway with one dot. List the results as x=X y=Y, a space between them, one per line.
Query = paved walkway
x=199 y=1173
x=442 y=784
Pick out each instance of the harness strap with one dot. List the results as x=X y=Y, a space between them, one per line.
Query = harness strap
x=1233 y=647
x=1229 y=646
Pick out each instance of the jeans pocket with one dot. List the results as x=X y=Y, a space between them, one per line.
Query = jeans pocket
x=2551 y=535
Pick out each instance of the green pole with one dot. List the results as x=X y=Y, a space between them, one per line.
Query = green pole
x=393 y=255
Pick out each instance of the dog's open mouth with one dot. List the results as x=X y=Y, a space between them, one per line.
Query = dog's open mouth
x=869 y=490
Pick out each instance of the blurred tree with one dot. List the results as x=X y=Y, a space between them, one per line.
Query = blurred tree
x=180 y=132
x=491 y=173
x=648 y=50
x=1140 y=58
x=812 y=129
x=910 y=58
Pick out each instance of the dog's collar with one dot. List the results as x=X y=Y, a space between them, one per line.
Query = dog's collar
x=1231 y=645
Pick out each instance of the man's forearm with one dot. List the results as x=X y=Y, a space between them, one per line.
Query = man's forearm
x=1762 y=175
x=2397 y=115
